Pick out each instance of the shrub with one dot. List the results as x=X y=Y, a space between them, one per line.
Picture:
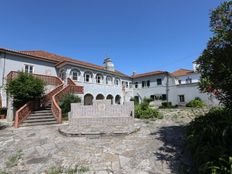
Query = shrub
x=65 y=103
x=167 y=105
x=134 y=100
x=147 y=100
x=196 y=103
x=24 y=88
x=209 y=140
x=144 y=111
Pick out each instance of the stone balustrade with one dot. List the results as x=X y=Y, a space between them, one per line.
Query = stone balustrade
x=102 y=113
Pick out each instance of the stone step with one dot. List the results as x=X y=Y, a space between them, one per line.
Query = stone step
x=39 y=120
x=41 y=114
x=42 y=111
x=38 y=123
x=39 y=117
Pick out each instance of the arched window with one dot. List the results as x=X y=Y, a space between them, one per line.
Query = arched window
x=109 y=80
x=116 y=81
x=88 y=99
x=62 y=74
x=110 y=97
x=99 y=78
x=100 y=97
x=88 y=76
x=75 y=74
x=118 y=99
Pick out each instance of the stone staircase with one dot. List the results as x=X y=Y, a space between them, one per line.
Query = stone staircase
x=43 y=116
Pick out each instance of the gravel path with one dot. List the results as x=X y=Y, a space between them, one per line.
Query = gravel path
x=155 y=149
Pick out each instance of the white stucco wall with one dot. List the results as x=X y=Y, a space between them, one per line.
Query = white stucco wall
x=17 y=63
x=154 y=89
x=190 y=92
x=1 y=68
x=94 y=88
x=194 y=76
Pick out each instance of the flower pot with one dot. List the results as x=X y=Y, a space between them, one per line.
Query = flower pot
x=2 y=116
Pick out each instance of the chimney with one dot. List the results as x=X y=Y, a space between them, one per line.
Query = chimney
x=134 y=73
x=108 y=64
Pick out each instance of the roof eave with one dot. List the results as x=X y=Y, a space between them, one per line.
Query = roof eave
x=12 y=52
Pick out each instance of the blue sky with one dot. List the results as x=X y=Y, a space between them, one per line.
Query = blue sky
x=139 y=35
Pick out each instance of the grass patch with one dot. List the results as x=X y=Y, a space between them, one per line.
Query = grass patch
x=70 y=170
x=13 y=160
x=3 y=172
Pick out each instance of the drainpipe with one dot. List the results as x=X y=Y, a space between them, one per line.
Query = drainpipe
x=3 y=68
x=167 y=87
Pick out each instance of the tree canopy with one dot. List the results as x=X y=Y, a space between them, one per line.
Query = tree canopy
x=24 y=88
x=215 y=63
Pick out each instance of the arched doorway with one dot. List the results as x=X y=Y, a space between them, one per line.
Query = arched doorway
x=88 y=99
x=110 y=97
x=118 y=99
x=100 y=97
x=62 y=74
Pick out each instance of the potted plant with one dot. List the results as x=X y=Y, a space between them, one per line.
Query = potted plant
x=3 y=112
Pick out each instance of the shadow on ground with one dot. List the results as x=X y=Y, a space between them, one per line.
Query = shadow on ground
x=172 y=152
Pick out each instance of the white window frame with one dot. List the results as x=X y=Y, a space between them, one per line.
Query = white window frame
x=29 y=70
x=116 y=81
x=90 y=74
x=181 y=97
x=160 y=81
x=99 y=79
x=109 y=80
x=73 y=72
x=62 y=74
x=136 y=84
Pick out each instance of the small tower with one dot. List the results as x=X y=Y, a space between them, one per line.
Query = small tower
x=108 y=64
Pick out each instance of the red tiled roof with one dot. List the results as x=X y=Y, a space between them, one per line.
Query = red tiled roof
x=45 y=54
x=59 y=60
x=181 y=72
x=149 y=74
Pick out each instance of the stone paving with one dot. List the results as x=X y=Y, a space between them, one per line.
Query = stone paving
x=155 y=149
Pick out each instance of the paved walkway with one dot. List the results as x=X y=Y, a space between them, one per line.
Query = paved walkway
x=155 y=149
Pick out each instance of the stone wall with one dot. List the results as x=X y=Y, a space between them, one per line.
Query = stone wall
x=101 y=113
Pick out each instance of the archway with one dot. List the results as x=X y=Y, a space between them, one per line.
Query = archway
x=88 y=99
x=62 y=74
x=100 y=97
x=110 y=97
x=118 y=99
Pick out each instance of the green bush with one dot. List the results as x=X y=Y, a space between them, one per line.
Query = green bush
x=147 y=100
x=144 y=111
x=24 y=88
x=136 y=102
x=209 y=140
x=65 y=103
x=167 y=105
x=196 y=103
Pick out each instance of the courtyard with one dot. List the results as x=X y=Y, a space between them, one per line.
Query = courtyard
x=155 y=148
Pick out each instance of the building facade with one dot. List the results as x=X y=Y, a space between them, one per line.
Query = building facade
x=104 y=82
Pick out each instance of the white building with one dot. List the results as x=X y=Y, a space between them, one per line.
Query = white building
x=103 y=82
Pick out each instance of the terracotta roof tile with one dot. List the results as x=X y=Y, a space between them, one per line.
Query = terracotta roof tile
x=149 y=74
x=181 y=72
x=59 y=60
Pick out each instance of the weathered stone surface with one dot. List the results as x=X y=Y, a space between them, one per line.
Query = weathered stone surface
x=155 y=148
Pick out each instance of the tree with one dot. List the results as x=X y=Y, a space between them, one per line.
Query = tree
x=65 y=103
x=24 y=88
x=215 y=63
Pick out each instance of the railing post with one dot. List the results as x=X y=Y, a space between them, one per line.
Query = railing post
x=16 y=123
